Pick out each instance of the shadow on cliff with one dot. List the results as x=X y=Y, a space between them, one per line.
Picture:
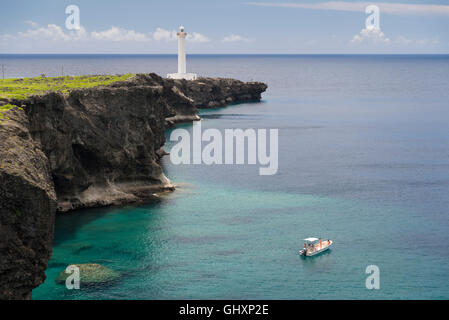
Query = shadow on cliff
x=205 y=110
x=210 y=113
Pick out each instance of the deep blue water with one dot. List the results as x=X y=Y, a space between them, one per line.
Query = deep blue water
x=363 y=160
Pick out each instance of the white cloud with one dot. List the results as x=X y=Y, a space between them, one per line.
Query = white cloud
x=164 y=35
x=235 y=38
x=167 y=35
x=120 y=34
x=371 y=35
x=7 y=37
x=51 y=32
x=197 y=37
x=385 y=7
x=51 y=38
x=401 y=40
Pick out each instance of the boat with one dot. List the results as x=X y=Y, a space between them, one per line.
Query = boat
x=314 y=246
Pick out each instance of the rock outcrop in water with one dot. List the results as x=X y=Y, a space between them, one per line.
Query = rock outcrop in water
x=92 y=147
x=91 y=274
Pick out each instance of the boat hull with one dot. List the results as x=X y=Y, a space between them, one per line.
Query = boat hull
x=314 y=253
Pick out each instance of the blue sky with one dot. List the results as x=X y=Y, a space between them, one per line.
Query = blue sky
x=231 y=26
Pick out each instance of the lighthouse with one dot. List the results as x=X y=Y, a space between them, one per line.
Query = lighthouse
x=182 y=73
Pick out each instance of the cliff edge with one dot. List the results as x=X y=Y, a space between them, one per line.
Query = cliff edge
x=87 y=148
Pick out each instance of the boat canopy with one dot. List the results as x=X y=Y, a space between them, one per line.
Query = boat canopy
x=311 y=239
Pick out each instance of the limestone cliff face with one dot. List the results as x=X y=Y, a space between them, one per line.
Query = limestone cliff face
x=27 y=207
x=91 y=147
x=101 y=143
x=213 y=92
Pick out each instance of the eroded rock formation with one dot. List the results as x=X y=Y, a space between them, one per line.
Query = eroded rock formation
x=92 y=147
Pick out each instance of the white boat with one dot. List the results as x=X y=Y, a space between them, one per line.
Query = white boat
x=313 y=246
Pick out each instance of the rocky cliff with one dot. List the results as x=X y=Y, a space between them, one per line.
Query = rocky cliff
x=91 y=147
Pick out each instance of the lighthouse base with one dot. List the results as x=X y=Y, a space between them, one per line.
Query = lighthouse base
x=186 y=76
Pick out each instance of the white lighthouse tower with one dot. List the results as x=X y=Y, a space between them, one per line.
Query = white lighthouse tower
x=182 y=74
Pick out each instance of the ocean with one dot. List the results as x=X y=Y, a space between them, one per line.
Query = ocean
x=363 y=160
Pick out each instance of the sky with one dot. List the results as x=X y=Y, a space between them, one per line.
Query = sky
x=225 y=27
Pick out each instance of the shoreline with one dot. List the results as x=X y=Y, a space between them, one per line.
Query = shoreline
x=89 y=147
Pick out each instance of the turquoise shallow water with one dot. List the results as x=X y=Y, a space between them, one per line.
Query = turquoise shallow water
x=363 y=160
x=195 y=246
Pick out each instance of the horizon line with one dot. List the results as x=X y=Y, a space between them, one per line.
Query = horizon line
x=226 y=54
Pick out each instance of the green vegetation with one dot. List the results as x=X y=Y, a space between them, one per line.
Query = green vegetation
x=7 y=107
x=25 y=87
x=4 y=108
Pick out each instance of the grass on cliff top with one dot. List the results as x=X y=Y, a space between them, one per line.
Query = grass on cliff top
x=3 y=108
x=25 y=87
